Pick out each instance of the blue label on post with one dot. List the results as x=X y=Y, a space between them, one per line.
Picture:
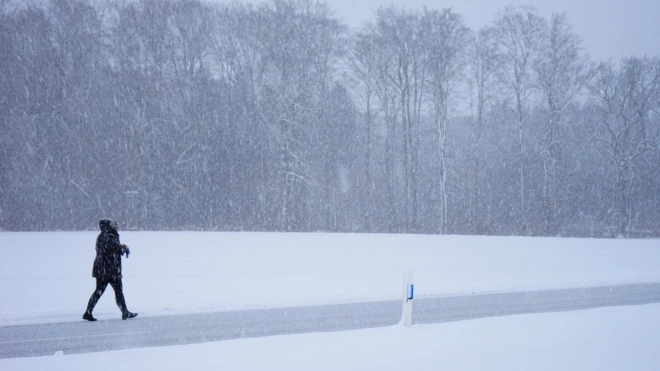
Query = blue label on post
x=411 y=291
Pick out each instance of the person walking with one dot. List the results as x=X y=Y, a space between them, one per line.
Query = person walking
x=107 y=268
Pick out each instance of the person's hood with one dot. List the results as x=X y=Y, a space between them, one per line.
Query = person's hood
x=108 y=225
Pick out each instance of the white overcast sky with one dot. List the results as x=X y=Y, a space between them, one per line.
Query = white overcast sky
x=608 y=28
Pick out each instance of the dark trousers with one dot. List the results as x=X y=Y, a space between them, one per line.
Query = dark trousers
x=101 y=284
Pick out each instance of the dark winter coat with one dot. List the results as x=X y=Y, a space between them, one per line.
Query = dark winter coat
x=107 y=265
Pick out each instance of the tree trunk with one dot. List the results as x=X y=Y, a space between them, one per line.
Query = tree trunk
x=521 y=142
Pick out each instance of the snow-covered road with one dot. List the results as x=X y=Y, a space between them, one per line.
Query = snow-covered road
x=149 y=331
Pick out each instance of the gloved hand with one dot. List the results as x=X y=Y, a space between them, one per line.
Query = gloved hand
x=125 y=250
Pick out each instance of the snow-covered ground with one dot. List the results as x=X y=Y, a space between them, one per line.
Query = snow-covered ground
x=46 y=277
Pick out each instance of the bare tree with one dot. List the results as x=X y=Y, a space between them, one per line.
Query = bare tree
x=400 y=36
x=376 y=59
x=483 y=64
x=301 y=42
x=445 y=37
x=628 y=95
x=518 y=33
x=562 y=70
x=241 y=61
x=30 y=91
x=362 y=61
x=191 y=41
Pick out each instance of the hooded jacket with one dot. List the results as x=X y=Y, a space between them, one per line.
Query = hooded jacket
x=107 y=265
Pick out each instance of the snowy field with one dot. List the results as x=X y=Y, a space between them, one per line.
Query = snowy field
x=46 y=277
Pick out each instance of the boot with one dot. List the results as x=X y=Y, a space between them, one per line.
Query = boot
x=88 y=316
x=128 y=314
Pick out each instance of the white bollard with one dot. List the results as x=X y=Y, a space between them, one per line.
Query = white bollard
x=408 y=295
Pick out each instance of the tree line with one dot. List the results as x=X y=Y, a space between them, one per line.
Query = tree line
x=179 y=114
